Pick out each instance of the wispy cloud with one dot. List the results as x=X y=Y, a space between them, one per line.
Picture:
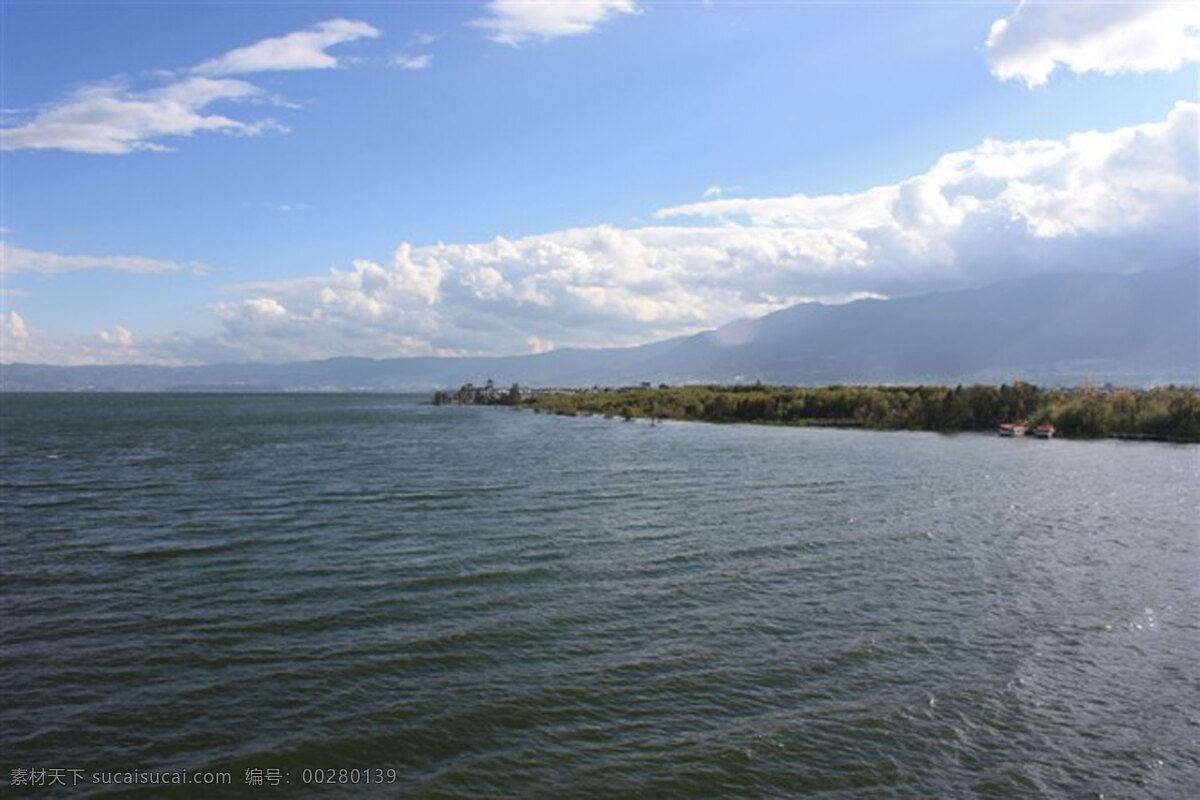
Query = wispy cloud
x=1116 y=200
x=17 y=259
x=110 y=118
x=720 y=191
x=516 y=21
x=286 y=208
x=402 y=61
x=1037 y=38
x=304 y=49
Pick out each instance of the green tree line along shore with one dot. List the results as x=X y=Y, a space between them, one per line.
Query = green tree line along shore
x=1166 y=413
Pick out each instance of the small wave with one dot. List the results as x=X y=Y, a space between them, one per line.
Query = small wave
x=472 y=578
x=185 y=551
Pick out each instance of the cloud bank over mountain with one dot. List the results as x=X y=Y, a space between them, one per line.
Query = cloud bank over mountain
x=1118 y=200
x=1052 y=329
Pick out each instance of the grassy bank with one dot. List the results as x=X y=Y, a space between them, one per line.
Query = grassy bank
x=1165 y=414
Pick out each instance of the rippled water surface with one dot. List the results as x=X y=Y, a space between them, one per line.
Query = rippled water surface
x=503 y=604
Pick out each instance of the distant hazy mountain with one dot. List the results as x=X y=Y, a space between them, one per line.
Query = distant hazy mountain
x=1138 y=328
x=1127 y=329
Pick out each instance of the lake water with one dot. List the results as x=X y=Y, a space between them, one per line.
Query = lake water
x=478 y=602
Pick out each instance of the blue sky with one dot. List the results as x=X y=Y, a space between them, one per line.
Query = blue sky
x=650 y=168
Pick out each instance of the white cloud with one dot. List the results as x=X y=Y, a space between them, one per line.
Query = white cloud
x=1121 y=199
x=17 y=259
x=1090 y=37
x=422 y=38
x=13 y=326
x=584 y=287
x=1118 y=201
x=297 y=50
x=119 y=336
x=403 y=61
x=111 y=118
x=22 y=343
x=720 y=191
x=515 y=21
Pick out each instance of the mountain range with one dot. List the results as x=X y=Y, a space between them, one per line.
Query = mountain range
x=1137 y=329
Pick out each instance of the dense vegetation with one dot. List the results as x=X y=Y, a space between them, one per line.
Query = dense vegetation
x=1169 y=413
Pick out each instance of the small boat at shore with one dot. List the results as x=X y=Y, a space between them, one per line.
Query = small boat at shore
x=1044 y=431
x=1011 y=429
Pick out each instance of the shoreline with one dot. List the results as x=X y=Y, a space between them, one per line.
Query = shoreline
x=852 y=425
x=1163 y=414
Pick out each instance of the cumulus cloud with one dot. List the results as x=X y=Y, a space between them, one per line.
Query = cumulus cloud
x=18 y=259
x=403 y=61
x=1089 y=37
x=1119 y=200
x=596 y=286
x=13 y=326
x=297 y=50
x=119 y=336
x=516 y=21
x=22 y=343
x=111 y=118
x=1122 y=199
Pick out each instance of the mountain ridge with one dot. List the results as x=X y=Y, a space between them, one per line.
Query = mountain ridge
x=1137 y=329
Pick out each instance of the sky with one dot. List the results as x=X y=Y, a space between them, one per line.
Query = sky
x=201 y=182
